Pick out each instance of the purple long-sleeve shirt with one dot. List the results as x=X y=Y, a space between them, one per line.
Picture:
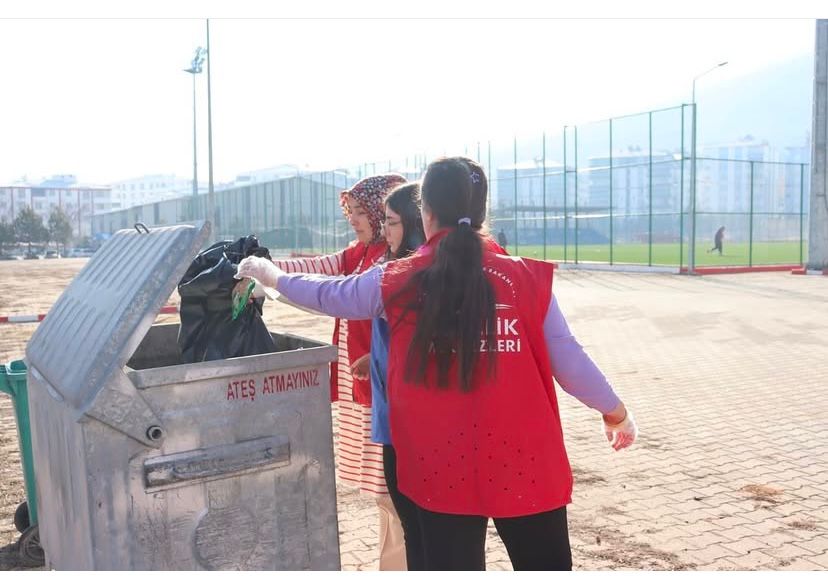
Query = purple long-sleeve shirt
x=359 y=297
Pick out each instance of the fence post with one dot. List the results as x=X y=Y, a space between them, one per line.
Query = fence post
x=801 y=213
x=321 y=210
x=322 y=213
x=750 y=243
x=611 y=221
x=691 y=252
x=576 y=193
x=328 y=221
x=333 y=201
x=514 y=172
x=681 y=194
x=650 y=187
x=544 y=196
x=489 y=168
x=265 y=190
x=565 y=219
x=293 y=213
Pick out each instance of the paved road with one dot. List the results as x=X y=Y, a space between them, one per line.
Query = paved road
x=727 y=377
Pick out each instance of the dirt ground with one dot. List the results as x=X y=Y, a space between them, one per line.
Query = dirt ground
x=731 y=465
x=31 y=287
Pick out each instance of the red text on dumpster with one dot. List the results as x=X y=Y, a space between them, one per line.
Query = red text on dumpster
x=250 y=388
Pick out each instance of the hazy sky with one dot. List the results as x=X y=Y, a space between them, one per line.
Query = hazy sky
x=108 y=100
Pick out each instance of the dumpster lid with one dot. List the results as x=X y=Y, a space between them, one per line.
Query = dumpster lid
x=100 y=319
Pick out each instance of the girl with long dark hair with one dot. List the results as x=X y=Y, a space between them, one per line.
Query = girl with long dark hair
x=360 y=459
x=475 y=340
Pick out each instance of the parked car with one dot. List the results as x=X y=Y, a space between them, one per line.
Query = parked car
x=80 y=252
x=7 y=257
x=32 y=255
x=52 y=255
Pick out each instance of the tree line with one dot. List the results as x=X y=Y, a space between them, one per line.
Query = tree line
x=28 y=228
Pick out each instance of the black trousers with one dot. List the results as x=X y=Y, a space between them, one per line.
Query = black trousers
x=406 y=510
x=453 y=542
x=539 y=542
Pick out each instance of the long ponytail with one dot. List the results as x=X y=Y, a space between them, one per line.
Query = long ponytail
x=454 y=301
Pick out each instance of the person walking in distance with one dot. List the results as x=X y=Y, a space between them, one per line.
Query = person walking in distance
x=501 y=239
x=718 y=239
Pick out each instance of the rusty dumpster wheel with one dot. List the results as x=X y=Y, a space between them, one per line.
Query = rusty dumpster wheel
x=31 y=553
x=21 y=517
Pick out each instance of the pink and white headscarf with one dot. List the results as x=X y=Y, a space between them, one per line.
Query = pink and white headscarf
x=370 y=193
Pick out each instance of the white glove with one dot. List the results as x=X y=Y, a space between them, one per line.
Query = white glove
x=621 y=434
x=260 y=269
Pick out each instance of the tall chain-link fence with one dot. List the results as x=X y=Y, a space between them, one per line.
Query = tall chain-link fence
x=617 y=191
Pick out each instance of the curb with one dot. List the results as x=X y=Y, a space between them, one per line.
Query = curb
x=618 y=267
x=806 y=271
x=743 y=269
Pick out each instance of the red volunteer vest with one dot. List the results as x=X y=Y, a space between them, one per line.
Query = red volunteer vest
x=491 y=245
x=497 y=450
x=358 y=257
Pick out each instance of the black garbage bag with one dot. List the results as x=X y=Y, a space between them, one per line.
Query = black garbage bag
x=208 y=331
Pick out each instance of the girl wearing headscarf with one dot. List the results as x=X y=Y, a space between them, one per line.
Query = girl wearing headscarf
x=360 y=459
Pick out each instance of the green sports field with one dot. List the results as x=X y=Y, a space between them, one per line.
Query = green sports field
x=770 y=253
x=663 y=254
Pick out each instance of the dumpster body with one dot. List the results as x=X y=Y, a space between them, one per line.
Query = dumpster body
x=146 y=463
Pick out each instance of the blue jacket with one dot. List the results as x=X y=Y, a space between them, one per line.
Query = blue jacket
x=380 y=431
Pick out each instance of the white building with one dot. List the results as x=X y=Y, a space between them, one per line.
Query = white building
x=527 y=178
x=796 y=177
x=753 y=189
x=81 y=202
x=724 y=176
x=149 y=189
x=639 y=182
x=270 y=174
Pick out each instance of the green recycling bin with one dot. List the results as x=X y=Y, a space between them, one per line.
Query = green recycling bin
x=13 y=383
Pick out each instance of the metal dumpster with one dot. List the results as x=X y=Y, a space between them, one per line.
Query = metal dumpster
x=146 y=463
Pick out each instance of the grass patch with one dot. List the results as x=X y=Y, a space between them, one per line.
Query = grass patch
x=735 y=254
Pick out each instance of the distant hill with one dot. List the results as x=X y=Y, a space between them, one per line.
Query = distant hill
x=773 y=104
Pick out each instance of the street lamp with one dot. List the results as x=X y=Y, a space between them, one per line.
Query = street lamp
x=691 y=255
x=195 y=69
x=211 y=198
